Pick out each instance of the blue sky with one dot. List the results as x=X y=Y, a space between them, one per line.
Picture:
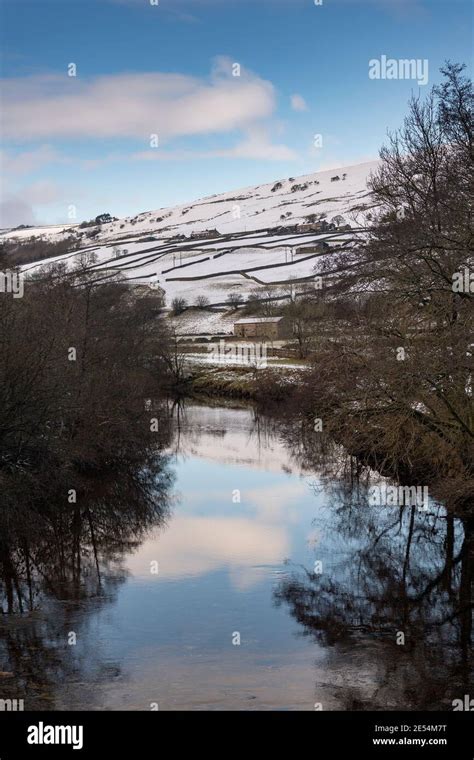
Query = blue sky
x=168 y=70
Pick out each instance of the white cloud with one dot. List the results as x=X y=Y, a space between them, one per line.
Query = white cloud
x=199 y=545
x=15 y=211
x=134 y=105
x=298 y=103
x=29 y=161
x=255 y=145
x=16 y=206
x=42 y=193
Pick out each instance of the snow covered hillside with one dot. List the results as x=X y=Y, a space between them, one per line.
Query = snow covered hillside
x=251 y=208
x=226 y=243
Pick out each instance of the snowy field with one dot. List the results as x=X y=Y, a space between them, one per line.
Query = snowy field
x=247 y=252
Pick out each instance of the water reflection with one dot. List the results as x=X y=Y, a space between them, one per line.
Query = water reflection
x=257 y=501
x=392 y=602
x=61 y=562
x=393 y=612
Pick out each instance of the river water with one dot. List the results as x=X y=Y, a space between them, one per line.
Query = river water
x=266 y=585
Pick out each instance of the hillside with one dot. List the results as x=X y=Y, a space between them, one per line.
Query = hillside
x=256 y=243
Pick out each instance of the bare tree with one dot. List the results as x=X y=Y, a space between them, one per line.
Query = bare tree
x=178 y=305
x=202 y=302
x=235 y=300
x=397 y=380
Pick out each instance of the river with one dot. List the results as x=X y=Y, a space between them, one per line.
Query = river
x=265 y=584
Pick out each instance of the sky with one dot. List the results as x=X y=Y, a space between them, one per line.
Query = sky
x=124 y=106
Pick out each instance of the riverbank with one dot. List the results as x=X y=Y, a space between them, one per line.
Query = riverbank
x=271 y=384
x=367 y=437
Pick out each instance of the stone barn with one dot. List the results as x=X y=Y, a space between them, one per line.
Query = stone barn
x=313 y=248
x=268 y=328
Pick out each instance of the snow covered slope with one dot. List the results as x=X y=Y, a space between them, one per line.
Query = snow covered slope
x=248 y=251
x=251 y=208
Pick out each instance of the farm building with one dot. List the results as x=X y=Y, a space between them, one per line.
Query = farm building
x=321 y=226
x=283 y=230
x=314 y=248
x=149 y=292
x=204 y=234
x=310 y=227
x=271 y=328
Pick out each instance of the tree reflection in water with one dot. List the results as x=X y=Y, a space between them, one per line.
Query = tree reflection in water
x=399 y=570
x=386 y=572
x=61 y=561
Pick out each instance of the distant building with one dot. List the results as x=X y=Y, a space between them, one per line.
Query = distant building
x=149 y=290
x=321 y=226
x=270 y=328
x=310 y=227
x=315 y=248
x=204 y=234
x=282 y=230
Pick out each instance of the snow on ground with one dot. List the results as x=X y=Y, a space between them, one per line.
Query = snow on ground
x=188 y=273
x=200 y=322
x=102 y=253
x=248 y=249
x=248 y=209
x=297 y=270
x=47 y=231
x=216 y=290
x=232 y=262
x=258 y=207
x=258 y=361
